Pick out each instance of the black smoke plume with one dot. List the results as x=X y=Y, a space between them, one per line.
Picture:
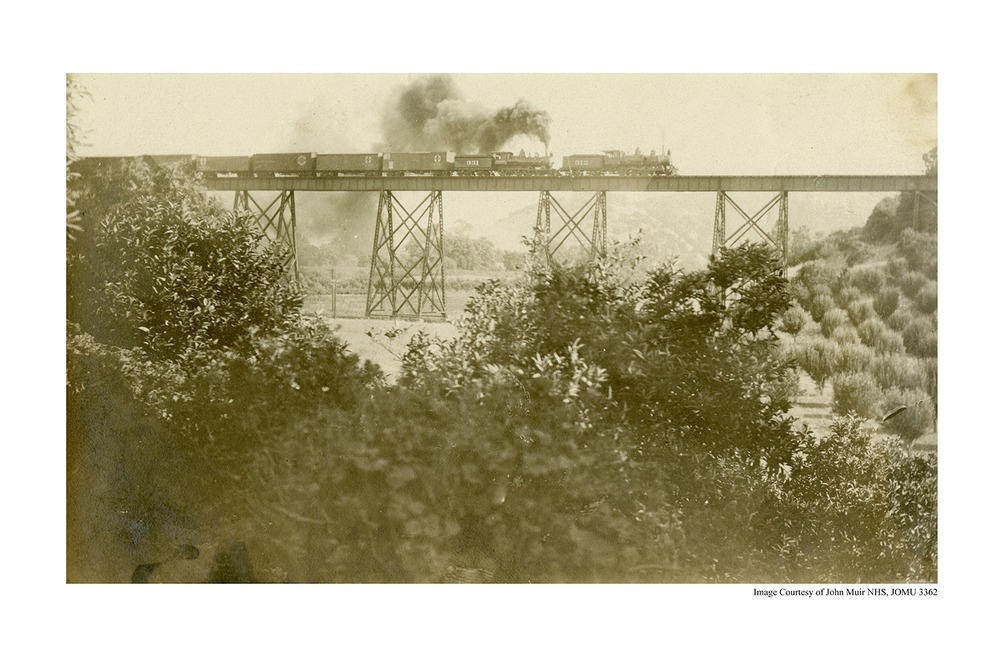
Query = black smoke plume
x=431 y=114
x=427 y=114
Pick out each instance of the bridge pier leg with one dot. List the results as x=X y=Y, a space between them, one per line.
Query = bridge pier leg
x=777 y=236
x=924 y=216
x=407 y=259
x=276 y=220
x=570 y=224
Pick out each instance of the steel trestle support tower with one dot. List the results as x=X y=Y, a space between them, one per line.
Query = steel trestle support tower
x=407 y=259
x=570 y=224
x=777 y=237
x=401 y=286
x=276 y=220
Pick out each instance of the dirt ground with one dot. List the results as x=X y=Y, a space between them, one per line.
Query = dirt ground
x=813 y=407
x=383 y=341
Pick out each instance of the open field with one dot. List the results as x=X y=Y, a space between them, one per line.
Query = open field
x=383 y=341
x=352 y=305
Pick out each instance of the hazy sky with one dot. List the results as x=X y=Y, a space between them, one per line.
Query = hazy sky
x=714 y=124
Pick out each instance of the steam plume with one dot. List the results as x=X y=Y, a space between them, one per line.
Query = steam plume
x=430 y=113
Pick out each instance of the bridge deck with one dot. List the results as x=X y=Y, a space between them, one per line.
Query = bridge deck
x=860 y=183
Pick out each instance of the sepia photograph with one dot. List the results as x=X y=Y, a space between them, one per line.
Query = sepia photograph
x=502 y=329
x=499 y=330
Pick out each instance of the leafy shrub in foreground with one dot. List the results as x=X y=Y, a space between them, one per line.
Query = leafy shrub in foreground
x=163 y=268
x=113 y=446
x=690 y=352
x=413 y=487
x=855 y=510
x=171 y=441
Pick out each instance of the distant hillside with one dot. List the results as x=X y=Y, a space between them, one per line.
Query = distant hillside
x=669 y=230
x=678 y=225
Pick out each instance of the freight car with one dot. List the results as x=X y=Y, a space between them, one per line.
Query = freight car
x=437 y=163
x=284 y=164
x=401 y=164
x=337 y=164
x=223 y=167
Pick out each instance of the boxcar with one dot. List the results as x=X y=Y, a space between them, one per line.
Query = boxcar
x=170 y=160
x=331 y=164
x=283 y=163
x=435 y=161
x=210 y=165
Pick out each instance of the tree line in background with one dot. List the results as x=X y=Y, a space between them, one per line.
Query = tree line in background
x=468 y=261
x=462 y=252
x=596 y=422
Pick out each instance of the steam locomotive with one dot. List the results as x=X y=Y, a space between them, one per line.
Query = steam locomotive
x=432 y=163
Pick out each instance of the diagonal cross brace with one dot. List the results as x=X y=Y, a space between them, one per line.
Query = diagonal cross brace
x=276 y=220
x=407 y=261
x=777 y=239
x=570 y=224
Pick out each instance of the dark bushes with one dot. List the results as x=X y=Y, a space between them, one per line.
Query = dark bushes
x=161 y=267
x=857 y=511
x=590 y=423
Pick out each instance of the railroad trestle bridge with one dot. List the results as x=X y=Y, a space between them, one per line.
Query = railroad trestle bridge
x=405 y=284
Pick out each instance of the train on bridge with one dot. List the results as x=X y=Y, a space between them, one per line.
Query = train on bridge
x=432 y=163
